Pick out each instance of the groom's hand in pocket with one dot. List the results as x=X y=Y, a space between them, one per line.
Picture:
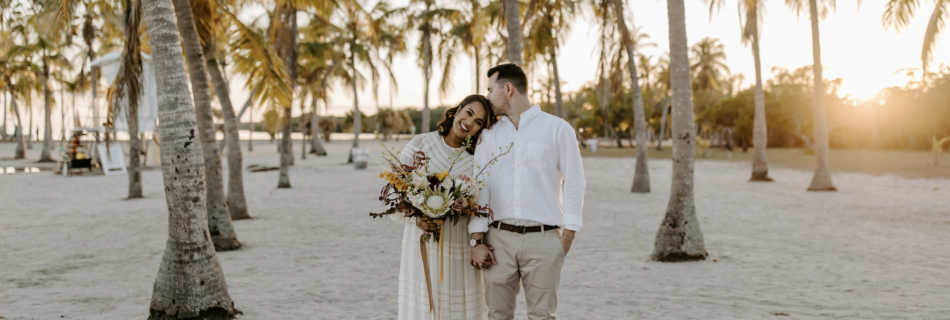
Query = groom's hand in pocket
x=567 y=238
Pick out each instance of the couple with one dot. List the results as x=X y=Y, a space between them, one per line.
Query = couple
x=536 y=192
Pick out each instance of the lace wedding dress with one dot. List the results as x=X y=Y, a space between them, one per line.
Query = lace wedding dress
x=461 y=292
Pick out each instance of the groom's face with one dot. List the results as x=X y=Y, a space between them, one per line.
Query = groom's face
x=498 y=95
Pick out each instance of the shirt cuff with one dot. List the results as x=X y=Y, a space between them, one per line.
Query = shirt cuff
x=478 y=224
x=572 y=222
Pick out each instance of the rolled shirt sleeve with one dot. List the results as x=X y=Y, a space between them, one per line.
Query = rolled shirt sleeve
x=480 y=224
x=572 y=170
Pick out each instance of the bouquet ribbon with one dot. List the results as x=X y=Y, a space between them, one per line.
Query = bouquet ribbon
x=425 y=264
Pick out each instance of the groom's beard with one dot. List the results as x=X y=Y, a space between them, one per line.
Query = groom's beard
x=502 y=109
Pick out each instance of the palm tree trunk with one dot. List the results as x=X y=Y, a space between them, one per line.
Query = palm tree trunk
x=237 y=205
x=478 y=73
x=357 y=121
x=219 y=219
x=47 y=119
x=20 y=152
x=427 y=64
x=760 y=134
x=641 y=176
x=135 y=150
x=287 y=14
x=662 y=135
x=316 y=146
x=190 y=282
x=250 y=132
x=3 y=134
x=558 y=99
x=821 y=181
x=679 y=237
x=29 y=142
x=513 y=15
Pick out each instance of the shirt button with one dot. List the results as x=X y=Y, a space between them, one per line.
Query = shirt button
x=517 y=205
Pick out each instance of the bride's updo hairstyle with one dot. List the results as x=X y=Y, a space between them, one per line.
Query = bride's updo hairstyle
x=448 y=118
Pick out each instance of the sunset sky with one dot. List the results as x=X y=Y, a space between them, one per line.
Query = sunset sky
x=855 y=47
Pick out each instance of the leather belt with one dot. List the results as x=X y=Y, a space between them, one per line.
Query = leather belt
x=520 y=229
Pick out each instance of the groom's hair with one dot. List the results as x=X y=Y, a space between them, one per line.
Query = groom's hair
x=513 y=73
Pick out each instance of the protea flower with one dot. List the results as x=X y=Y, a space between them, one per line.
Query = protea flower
x=434 y=204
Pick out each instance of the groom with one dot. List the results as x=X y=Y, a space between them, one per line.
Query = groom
x=536 y=193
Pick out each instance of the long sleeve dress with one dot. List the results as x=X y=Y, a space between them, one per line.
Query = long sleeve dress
x=461 y=292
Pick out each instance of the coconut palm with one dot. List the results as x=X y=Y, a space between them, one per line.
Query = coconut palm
x=751 y=12
x=321 y=59
x=552 y=19
x=127 y=88
x=362 y=41
x=897 y=14
x=431 y=21
x=679 y=237
x=641 y=176
x=210 y=28
x=821 y=180
x=512 y=18
x=190 y=282
x=12 y=73
x=219 y=217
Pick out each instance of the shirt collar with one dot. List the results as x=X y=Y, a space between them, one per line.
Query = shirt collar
x=526 y=116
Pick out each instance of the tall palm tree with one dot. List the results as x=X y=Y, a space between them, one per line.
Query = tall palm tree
x=641 y=176
x=512 y=20
x=429 y=19
x=127 y=88
x=209 y=27
x=283 y=33
x=190 y=282
x=11 y=70
x=219 y=218
x=679 y=237
x=897 y=15
x=821 y=180
x=750 y=9
x=549 y=20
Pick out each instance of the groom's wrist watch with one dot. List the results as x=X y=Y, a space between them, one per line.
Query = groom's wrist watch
x=475 y=242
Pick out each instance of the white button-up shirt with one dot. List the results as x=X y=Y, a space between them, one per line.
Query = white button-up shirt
x=526 y=184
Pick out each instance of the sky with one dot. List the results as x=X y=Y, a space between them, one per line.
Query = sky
x=855 y=47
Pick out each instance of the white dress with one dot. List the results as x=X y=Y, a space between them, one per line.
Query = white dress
x=461 y=293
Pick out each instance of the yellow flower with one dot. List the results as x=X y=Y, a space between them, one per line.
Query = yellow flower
x=381 y=175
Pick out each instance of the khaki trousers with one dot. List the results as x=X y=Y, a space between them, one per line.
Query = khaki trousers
x=533 y=259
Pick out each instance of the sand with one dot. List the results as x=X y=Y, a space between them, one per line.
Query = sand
x=74 y=248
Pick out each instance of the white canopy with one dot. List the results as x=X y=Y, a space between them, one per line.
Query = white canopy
x=148 y=103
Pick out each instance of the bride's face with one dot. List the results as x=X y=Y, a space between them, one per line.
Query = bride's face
x=469 y=119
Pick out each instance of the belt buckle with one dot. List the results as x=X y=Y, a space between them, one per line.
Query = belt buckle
x=524 y=229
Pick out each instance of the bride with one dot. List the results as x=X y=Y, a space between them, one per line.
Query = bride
x=460 y=293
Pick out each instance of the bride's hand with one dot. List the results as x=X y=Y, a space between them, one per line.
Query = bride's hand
x=427 y=224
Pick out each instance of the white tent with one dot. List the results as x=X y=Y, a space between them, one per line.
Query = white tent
x=148 y=103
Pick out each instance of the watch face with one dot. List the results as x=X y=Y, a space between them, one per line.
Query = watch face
x=472 y=242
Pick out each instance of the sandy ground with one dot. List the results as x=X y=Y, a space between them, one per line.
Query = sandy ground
x=73 y=248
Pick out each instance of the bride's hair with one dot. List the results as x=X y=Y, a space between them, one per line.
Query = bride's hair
x=448 y=118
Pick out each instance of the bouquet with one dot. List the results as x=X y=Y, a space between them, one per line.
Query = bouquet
x=415 y=191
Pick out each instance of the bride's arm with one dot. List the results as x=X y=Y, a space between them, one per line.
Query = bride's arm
x=405 y=157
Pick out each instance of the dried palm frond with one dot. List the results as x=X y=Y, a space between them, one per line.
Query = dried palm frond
x=127 y=86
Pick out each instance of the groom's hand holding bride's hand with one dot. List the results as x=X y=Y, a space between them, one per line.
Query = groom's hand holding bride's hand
x=482 y=256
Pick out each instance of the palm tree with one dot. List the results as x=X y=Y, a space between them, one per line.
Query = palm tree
x=190 y=282
x=362 y=41
x=750 y=33
x=821 y=180
x=253 y=55
x=641 y=176
x=512 y=17
x=127 y=88
x=11 y=70
x=897 y=15
x=552 y=20
x=283 y=33
x=429 y=19
x=679 y=237
x=219 y=218
x=206 y=11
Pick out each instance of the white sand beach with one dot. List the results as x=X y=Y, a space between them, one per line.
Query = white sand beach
x=73 y=248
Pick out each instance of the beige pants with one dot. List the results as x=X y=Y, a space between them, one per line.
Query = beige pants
x=533 y=259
